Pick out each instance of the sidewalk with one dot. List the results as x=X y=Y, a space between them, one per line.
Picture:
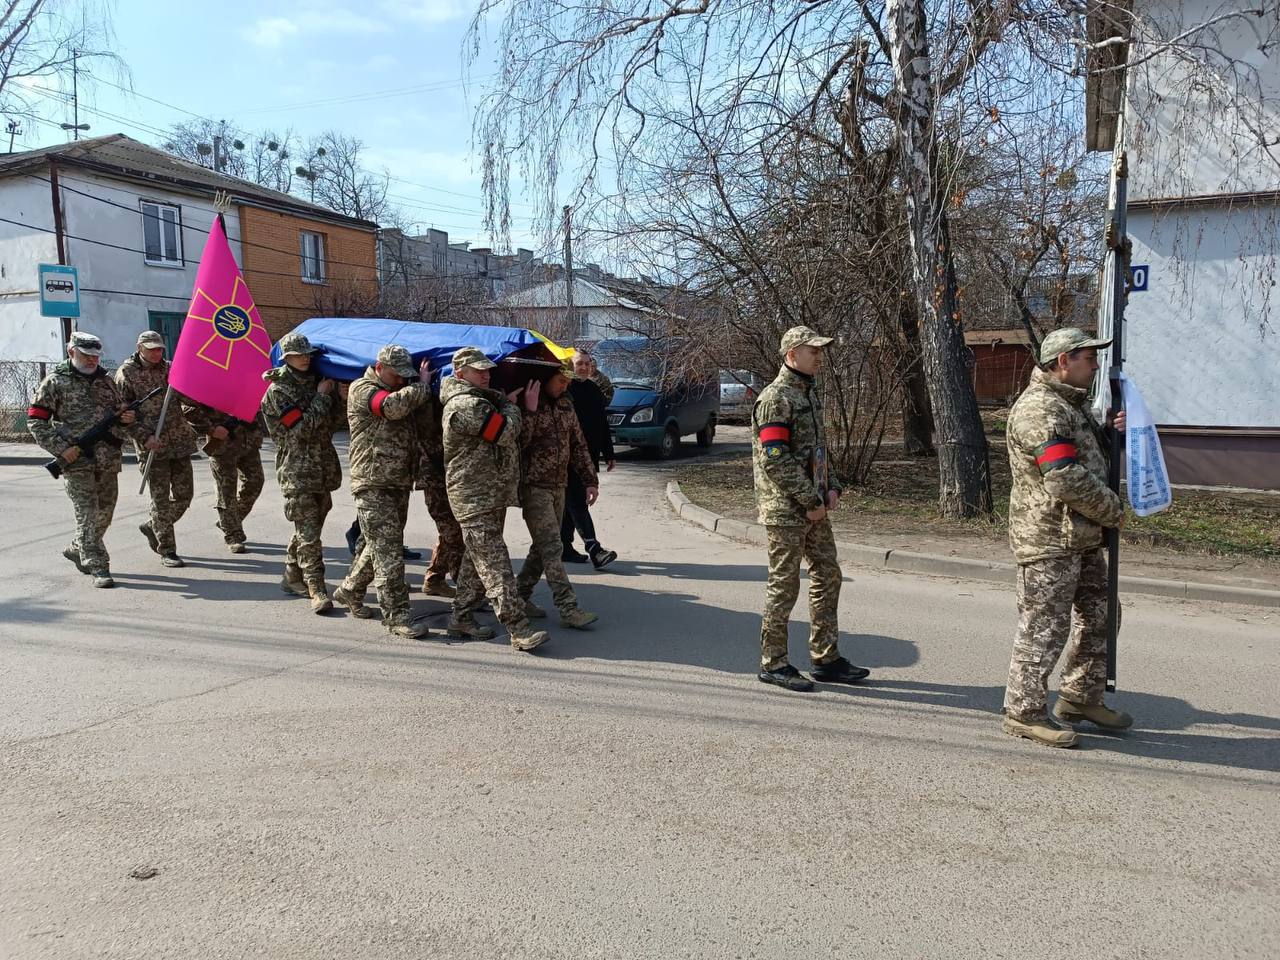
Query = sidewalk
x=1200 y=578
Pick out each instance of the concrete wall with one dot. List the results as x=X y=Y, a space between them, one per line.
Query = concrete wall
x=24 y=334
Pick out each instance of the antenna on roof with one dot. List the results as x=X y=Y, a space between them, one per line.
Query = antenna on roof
x=221 y=201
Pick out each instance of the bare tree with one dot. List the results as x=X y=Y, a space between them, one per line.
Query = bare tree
x=335 y=175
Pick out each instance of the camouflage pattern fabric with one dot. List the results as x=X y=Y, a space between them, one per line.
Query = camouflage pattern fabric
x=384 y=449
x=787 y=432
x=93 y=494
x=307 y=512
x=383 y=512
x=1060 y=599
x=486 y=570
x=302 y=422
x=552 y=444
x=446 y=558
x=1060 y=500
x=136 y=379
x=787 y=545
x=238 y=478
x=481 y=450
x=172 y=485
x=605 y=385
x=543 y=510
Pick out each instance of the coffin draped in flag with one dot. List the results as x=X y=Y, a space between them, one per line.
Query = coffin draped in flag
x=224 y=349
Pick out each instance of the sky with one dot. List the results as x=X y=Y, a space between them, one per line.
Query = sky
x=389 y=72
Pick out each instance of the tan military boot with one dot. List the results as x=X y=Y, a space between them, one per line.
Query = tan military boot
x=292 y=581
x=72 y=554
x=437 y=587
x=410 y=631
x=1100 y=714
x=355 y=605
x=1041 y=731
x=469 y=629
x=320 y=602
x=533 y=611
x=525 y=638
x=578 y=619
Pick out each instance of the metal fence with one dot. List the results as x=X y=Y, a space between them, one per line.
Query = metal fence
x=18 y=382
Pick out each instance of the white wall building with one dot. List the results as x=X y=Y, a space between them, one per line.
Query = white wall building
x=598 y=312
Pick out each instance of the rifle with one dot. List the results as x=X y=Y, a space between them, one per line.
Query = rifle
x=100 y=432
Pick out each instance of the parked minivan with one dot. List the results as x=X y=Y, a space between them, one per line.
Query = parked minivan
x=654 y=405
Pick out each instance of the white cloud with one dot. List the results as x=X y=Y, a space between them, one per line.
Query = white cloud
x=452 y=169
x=427 y=11
x=313 y=18
x=270 y=31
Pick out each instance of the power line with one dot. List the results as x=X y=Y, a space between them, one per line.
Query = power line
x=369 y=95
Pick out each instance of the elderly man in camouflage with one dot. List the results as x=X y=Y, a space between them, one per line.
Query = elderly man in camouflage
x=383 y=456
x=170 y=478
x=482 y=473
x=302 y=414
x=552 y=444
x=1059 y=505
x=794 y=491
x=234 y=448
x=68 y=402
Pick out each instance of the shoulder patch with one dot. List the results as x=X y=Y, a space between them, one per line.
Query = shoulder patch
x=1054 y=454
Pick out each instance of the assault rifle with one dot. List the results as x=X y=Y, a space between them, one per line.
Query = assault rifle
x=100 y=432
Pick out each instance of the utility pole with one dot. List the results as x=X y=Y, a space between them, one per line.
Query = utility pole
x=568 y=274
x=75 y=90
x=14 y=128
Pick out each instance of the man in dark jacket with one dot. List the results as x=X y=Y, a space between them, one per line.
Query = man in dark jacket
x=591 y=406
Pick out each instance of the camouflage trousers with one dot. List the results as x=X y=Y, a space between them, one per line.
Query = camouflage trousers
x=1059 y=600
x=486 y=570
x=93 y=489
x=307 y=512
x=787 y=545
x=243 y=470
x=172 y=486
x=543 y=510
x=382 y=512
x=446 y=558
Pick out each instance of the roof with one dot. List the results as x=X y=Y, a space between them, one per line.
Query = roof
x=120 y=156
x=551 y=295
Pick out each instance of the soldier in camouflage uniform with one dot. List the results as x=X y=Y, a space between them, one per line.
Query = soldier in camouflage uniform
x=69 y=401
x=552 y=444
x=169 y=478
x=234 y=448
x=482 y=476
x=1058 y=508
x=383 y=455
x=602 y=381
x=794 y=491
x=302 y=414
x=446 y=558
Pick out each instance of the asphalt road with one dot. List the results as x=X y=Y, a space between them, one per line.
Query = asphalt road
x=309 y=787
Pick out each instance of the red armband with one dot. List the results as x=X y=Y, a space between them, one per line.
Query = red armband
x=1054 y=454
x=290 y=417
x=39 y=413
x=494 y=424
x=377 y=400
x=775 y=433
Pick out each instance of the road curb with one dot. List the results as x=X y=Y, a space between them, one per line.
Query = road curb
x=904 y=561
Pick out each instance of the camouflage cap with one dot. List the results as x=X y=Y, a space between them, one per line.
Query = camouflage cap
x=472 y=357
x=1066 y=340
x=398 y=359
x=295 y=345
x=86 y=343
x=802 y=336
x=566 y=370
x=150 y=339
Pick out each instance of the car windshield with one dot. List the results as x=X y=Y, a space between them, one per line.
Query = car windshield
x=730 y=378
x=630 y=367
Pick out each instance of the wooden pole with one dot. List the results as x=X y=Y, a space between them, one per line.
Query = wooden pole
x=151 y=454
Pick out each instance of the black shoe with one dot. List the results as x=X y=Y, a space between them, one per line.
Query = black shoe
x=838 y=670
x=786 y=676
x=353 y=535
x=412 y=554
x=600 y=557
x=570 y=555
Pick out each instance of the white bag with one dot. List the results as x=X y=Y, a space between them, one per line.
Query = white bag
x=1148 y=480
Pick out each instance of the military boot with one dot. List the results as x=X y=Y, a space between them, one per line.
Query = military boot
x=468 y=628
x=171 y=559
x=437 y=587
x=410 y=631
x=72 y=554
x=236 y=546
x=525 y=638
x=578 y=619
x=532 y=610
x=292 y=581
x=152 y=540
x=1099 y=714
x=355 y=605
x=1043 y=731
x=102 y=579
x=320 y=602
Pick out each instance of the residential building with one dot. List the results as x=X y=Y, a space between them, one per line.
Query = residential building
x=602 y=309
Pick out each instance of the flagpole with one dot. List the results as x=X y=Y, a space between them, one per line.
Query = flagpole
x=151 y=454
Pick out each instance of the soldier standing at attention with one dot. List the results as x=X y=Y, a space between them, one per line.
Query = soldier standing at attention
x=1058 y=507
x=234 y=448
x=446 y=558
x=383 y=456
x=69 y=401
x=552 y=444
x=302 y=414
x=482 y=477
x=793 y=494
x=170 y=479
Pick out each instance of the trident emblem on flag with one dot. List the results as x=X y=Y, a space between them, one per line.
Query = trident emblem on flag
x=232 y=323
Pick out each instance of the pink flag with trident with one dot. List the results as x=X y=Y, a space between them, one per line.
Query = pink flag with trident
x=224 y=349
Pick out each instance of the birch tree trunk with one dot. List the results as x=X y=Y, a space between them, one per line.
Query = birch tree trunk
x=964 y=472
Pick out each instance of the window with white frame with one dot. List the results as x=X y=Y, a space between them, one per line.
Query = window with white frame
x=161 y=233
x=583 y=319
x=313 y=257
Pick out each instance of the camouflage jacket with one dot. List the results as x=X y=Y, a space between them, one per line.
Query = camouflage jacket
x=551 y=443
x=135 y=379
x=1057 y=454
x=384 y=433
x=302 y=421
x=605 y=385
x=481 y=449
x=428 y=420
x=242 y=436
x=66 y=404
x=787 y=444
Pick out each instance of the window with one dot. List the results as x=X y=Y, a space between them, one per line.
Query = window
x=313 y=257
x=583 y=322
x=161 y=234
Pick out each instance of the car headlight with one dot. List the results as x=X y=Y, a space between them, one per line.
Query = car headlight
x=642 y=416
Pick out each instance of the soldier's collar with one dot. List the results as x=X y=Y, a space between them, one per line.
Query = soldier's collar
x=802 y=377
x=1076 y=395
